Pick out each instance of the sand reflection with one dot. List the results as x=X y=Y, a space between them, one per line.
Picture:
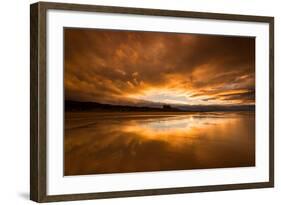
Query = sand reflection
x=98 y=143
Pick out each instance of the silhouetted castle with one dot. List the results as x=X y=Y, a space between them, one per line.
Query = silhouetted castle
x=167 y=107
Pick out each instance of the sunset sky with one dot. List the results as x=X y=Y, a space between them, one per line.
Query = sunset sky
x=151 y=69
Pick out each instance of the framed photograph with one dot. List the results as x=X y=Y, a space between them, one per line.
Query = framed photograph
x=134 y=102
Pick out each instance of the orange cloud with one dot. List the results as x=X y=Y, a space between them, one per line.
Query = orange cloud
x=135 y=67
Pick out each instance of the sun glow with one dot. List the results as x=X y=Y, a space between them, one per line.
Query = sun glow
x=168 y=96
x=176 y=97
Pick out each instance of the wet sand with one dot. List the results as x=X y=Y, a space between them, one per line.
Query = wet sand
x=115 y=142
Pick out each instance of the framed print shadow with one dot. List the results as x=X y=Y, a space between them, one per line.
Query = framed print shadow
x=135 y=102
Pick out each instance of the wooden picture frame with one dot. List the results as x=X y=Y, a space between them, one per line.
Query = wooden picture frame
x=38 y=102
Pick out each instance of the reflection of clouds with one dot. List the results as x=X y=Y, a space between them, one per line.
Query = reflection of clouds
x=180 y=129
x=113 y=143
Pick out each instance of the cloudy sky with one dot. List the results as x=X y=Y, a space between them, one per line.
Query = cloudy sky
x=150 y=68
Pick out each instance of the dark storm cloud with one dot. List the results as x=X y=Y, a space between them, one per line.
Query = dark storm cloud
x=129 y=67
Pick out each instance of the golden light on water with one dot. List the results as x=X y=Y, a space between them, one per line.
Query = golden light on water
x=117 y=143
x=177 y=130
